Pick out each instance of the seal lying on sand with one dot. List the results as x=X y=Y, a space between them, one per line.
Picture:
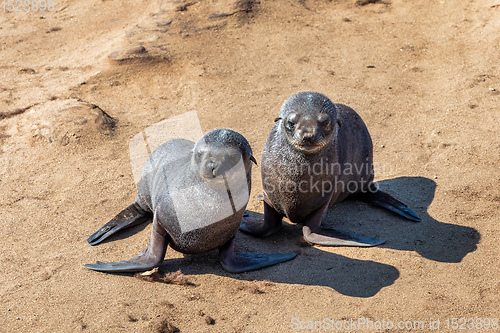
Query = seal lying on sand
x=196 y=195
x=317 y=154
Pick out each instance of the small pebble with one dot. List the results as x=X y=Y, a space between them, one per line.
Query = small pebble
x=135 y=50
x=383 y=146
x=209 y=320
x=492 y=89
x=129 y=53
x=435 y=177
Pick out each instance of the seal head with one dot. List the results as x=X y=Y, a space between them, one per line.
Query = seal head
x=309 y=121
x=219 y=151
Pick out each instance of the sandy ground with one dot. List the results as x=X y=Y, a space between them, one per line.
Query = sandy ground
x=424 y=75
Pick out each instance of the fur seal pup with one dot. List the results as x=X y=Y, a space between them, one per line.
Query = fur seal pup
x=196 y=195
x=317 y=154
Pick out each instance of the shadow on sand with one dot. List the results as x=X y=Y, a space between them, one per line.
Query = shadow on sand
x=432 y=239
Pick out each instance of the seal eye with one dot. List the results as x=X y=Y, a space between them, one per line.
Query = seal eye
x=290 y=124
x=327 y=124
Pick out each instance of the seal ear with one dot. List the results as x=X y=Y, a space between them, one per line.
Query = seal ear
x=253 y=159
x=340 y=124
x=277 y=118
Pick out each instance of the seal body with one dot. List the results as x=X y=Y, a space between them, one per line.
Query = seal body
x=196 y=212
x=196 y=194
x=296 y=183
x=317 y=154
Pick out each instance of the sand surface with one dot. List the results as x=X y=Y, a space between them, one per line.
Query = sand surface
x=77 y=83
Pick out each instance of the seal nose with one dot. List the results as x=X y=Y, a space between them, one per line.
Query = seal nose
x=211 y=166
x=308 y=135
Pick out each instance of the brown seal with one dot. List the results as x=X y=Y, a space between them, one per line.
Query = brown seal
x=317 y=154
x=196 y=195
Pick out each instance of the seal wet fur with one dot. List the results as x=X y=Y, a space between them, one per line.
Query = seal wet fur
x=196 y=195
x=317 y=154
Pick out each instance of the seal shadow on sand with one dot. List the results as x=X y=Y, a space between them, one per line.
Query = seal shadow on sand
x=312 y=266
x=432 y=239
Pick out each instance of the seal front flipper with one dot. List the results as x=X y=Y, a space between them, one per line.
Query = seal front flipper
x=130 y=216
x=333 y=237
x=315 y=233
x=151 y=257
x=244 y=262
x=262 y=228
x=387 y=201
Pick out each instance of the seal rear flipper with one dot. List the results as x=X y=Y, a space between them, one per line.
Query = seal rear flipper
x=244 y=262
x=129 y=217
x=151 y=257
x=333 y=237
x=268 y=226
x=387 y=201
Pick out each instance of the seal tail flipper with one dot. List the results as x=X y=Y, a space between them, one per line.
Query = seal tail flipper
x=244 y=262
x=333 y=237
x=130 y=216
x=151 y=257
x=387 y=201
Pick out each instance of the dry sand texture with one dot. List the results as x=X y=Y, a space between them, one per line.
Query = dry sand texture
x=77 y=83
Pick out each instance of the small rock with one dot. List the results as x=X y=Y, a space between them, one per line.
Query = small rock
x=149 y=273
x=135 y=50
x=27 y=70
x=163 y=23
x=366 y=2
x=209 y=320
x=53 y=30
